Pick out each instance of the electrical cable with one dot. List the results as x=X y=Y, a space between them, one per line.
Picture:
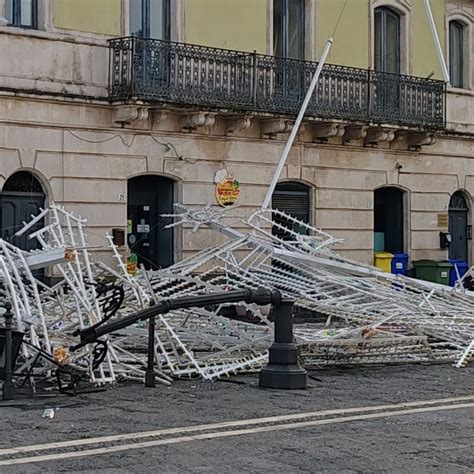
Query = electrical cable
x=167 y=146
x=339 y=19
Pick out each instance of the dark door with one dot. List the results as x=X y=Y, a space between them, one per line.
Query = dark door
x=386 y=78
x=458 y=227
x=389 y=219
x=289 y=45
x=151 y=20
x=148 y=198
x=16 y=209
x=387 y=40
x=21 y=199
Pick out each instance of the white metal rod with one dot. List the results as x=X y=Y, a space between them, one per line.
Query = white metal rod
x=297 y=124
x=439 y=51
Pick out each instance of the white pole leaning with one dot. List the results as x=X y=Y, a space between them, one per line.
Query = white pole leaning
x=439 y=51
x=297 y=124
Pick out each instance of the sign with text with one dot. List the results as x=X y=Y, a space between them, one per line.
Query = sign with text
x=443 y=220
x=227 y=188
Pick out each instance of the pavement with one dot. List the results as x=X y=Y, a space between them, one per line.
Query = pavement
x=417 y=418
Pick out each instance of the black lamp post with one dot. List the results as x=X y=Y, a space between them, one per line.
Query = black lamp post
x=8 y=391
x=283 y=371
x=150 y=369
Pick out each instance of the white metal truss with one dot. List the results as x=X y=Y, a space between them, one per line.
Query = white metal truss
x=363 y=316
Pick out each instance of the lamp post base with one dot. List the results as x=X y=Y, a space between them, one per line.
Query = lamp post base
x=282 y=377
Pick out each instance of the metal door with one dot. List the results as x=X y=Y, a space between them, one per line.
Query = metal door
x=16 y=209
x=21 y=199
x=458 y=212
x=148 y=198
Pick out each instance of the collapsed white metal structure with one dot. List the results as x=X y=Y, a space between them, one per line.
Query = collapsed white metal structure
x=360 y=315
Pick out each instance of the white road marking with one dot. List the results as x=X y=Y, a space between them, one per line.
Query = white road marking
x=224 y=434
x=227 y=424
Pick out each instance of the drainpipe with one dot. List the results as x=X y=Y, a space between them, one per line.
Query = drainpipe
x=297 y=124
x=439 y=51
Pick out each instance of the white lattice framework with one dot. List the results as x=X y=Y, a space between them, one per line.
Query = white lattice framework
x=370 y=316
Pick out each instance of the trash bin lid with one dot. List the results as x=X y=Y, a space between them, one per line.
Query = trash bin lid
x=431 y=263
x=400 y=255
x=383 y=255
x=422 y=263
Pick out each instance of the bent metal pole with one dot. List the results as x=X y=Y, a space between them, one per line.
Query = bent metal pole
x=297 y=124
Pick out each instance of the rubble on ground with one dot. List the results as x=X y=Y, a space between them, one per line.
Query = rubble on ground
x=360 y=314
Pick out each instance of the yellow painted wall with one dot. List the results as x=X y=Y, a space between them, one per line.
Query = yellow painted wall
x=94 y=16
x=352 y=36
x=231 y=24
x=424 y=58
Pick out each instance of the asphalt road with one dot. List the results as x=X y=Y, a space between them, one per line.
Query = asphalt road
x=387 y=419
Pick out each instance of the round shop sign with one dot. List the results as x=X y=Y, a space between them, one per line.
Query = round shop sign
x=227 y=188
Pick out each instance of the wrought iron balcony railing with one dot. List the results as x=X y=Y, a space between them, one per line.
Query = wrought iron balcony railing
x=154 y=70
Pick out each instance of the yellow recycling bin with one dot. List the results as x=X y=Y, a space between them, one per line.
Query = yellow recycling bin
x=383 y=260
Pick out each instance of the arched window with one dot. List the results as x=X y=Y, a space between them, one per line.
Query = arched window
x=387 y=40
x=288 y=28
x=22 y=182
x=293 y=199
x=456 y=53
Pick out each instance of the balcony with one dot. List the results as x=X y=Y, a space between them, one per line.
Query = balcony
x=188 y=75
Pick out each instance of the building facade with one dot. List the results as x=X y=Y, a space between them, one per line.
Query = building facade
x=118 y=108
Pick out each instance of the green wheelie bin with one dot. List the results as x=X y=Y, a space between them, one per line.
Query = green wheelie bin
x=432 y=270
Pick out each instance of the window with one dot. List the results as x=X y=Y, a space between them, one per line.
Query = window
x=387 y=41
x=22 y=13
x=456 y=53
x=292 y=198
x=288 y=28
x=150 y=18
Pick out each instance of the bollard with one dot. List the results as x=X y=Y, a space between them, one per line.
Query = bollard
x=283 y=371
x=8 y=391
x=150 y=368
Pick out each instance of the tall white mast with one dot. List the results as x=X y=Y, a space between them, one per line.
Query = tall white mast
x=297 y=125
x=439 y=51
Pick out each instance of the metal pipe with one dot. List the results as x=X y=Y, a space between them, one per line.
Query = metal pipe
x=8 y=392
x=150 y=369
x=437 y=43
x=296 y=126
x=260 y=297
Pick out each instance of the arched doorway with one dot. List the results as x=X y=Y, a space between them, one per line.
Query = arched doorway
x=458 y=225
x=293 y=198
x=389 y=219
x=22 y=196
x=148 y=198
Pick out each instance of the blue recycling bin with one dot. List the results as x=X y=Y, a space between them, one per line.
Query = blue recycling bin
x=400 y=263
x=463 y=267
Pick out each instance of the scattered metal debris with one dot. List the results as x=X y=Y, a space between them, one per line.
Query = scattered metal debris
x=48 y=413
x=365 y=316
